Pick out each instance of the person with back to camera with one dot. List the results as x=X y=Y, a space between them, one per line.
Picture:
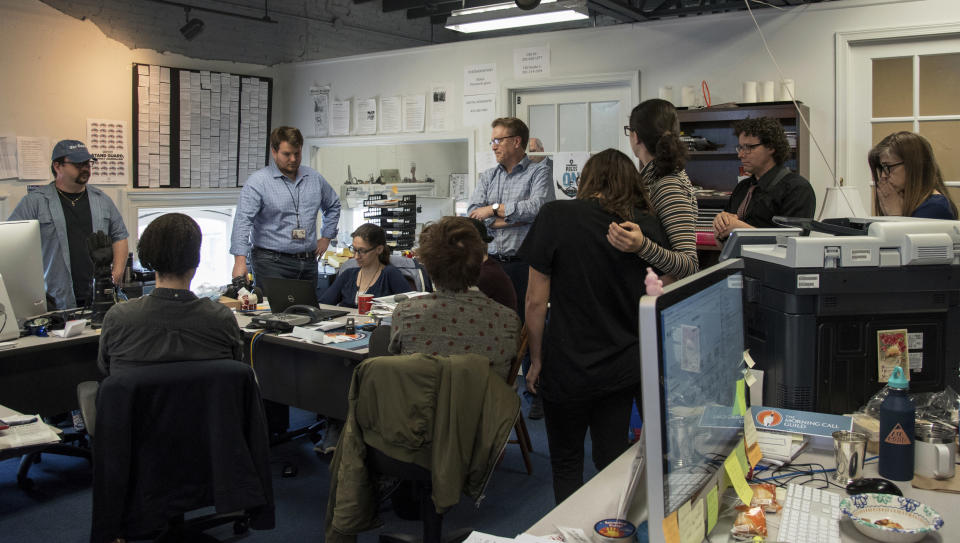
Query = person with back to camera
x=493 y=281
x=654 y=133
x=772 y=189
x=457 y=318
x=908 y=179
x=584 y=360
x=373 y=275
x=170 y=324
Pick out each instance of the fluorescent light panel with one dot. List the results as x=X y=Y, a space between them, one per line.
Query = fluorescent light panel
x=515 y=18
x=492 y=7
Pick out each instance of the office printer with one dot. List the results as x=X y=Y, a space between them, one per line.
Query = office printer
x=814 y=304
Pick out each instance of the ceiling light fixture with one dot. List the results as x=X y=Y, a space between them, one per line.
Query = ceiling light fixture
x=193 y=26
x=508 y=15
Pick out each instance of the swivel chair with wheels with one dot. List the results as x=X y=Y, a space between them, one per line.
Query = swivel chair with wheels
x=175 y=437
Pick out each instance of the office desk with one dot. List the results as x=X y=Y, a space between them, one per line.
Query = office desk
x=40 y=375
x=598 y=499
x=306 y=375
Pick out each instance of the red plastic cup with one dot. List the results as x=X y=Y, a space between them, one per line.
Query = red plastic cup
x=364 y=303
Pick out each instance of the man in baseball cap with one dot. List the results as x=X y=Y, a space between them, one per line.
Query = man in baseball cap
x=70 y=212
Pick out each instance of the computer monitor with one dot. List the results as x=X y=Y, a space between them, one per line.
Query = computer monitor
x=691 y=343
x=21 y=265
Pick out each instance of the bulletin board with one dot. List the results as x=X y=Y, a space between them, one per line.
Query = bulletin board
x=198 y=129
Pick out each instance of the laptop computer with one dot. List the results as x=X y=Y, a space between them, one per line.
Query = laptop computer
x=282 y=293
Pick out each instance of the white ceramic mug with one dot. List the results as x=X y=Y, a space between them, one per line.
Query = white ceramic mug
x=935 y=451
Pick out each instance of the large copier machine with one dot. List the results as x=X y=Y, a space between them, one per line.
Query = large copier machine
x=814 y=305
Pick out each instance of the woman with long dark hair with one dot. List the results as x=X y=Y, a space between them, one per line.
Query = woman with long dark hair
x=374 y=275
x=584 y=360
x=908 y=178
x=654 y=133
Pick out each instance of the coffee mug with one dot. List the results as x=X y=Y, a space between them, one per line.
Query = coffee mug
x=935 y=451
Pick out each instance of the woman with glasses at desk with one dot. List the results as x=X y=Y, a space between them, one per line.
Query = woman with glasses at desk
x=584 y=360
x=373 y=274
x=908 y=179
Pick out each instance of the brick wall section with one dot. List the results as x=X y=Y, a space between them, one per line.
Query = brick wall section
x=149 y=25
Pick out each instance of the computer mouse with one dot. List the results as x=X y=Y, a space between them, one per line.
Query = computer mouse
x=370 y=327
x=873 y=486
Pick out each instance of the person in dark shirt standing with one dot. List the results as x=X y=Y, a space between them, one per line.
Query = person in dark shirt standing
x=69 y=212
x=170 y=324
x=772 y=189
x=493 y=281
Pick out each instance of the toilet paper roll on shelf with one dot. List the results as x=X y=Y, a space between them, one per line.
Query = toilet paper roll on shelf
x=687 y=96
x=787 y=91
x=666 y=93
x=766 y=91
x=749 y=92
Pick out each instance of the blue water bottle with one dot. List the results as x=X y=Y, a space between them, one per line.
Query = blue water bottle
x=897 y=416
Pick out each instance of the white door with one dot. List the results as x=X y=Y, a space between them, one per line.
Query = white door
x=581 y=119
x=909 y=84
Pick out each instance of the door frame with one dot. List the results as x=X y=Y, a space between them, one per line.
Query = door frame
x=512 y=87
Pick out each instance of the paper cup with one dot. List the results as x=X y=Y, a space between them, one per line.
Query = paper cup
x=364 y=303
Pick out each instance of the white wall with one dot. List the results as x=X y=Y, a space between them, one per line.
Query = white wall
x=57 y=71
x=722 y=49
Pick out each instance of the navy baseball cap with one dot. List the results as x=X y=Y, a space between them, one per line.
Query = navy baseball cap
x=73 y=150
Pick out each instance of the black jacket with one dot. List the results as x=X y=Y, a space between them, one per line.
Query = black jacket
x=175 y=437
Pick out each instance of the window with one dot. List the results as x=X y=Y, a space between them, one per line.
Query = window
x=216 y=224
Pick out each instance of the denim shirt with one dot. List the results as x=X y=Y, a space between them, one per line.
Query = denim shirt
x=42 y=203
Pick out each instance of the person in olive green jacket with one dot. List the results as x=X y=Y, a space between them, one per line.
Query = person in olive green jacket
x=463 y=417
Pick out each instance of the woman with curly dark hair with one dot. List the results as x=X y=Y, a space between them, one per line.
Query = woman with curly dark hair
x=457 y=318
x=583 y=362
x=772 y=189
x=654 y=133
x=908 y=178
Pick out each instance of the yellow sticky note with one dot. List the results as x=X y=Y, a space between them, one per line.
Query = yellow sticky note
x=394 y=189
x=713 y=508
x=691 y=520
x=754 y=454
x=740 y=401
x=671 y=530
x=741 y=453
x=748 y=359
x=732 y=467
x=749 y=428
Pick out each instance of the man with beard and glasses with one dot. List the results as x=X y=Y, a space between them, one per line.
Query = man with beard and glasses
x=70 y=211
x=276 y=220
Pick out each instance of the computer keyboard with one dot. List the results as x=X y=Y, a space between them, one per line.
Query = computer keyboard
x=809 y=515
x=683 y=485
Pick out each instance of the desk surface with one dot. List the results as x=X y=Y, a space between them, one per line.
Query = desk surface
x=243 y=319
x=598 y=498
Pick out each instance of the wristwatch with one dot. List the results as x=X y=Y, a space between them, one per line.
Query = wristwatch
x=495 y=208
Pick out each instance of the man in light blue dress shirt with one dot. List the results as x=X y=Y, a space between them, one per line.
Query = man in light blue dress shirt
x=276 y=220
x=508 y=198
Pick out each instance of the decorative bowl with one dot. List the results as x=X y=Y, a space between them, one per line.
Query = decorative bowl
x=890 y=518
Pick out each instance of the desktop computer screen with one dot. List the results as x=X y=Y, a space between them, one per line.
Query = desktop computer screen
x=21 y=266
x=692 y=341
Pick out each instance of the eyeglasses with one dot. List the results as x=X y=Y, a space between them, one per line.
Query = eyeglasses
x=79 y=165
x=884 y=169
x=498 y=141
x=363 y=252
x=626 y=131
x=747 y=148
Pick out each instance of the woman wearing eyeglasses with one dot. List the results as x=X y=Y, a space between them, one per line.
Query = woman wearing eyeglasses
x=374 y=274
x=908 y=180
x=654 y=133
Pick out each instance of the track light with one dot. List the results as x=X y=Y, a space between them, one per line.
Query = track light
x=193 y=26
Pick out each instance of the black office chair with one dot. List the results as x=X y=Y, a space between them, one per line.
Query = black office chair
x=175 y=437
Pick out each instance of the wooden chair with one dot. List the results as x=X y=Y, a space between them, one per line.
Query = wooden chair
x=523 y=438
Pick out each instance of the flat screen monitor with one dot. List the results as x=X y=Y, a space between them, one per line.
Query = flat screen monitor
x=21 y=266
x=691 y=342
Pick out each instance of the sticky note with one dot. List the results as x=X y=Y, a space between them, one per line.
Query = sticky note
x=691 y=520
x=749 y=428
x=713 y=508
x=732 y=467
x=748 y=359
x=740 y=400
x=754 y=454
x=741 y=453
x=749 y=378
x=671 y=530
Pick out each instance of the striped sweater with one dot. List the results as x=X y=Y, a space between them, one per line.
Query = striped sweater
x=675 y=202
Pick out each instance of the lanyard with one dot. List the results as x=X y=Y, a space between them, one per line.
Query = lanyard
x=296 y=201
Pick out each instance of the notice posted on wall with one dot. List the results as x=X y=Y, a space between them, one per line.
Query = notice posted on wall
x=107 y=141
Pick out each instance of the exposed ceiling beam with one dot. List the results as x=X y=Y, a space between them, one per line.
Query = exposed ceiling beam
x=617 y=10
x=440 y=8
